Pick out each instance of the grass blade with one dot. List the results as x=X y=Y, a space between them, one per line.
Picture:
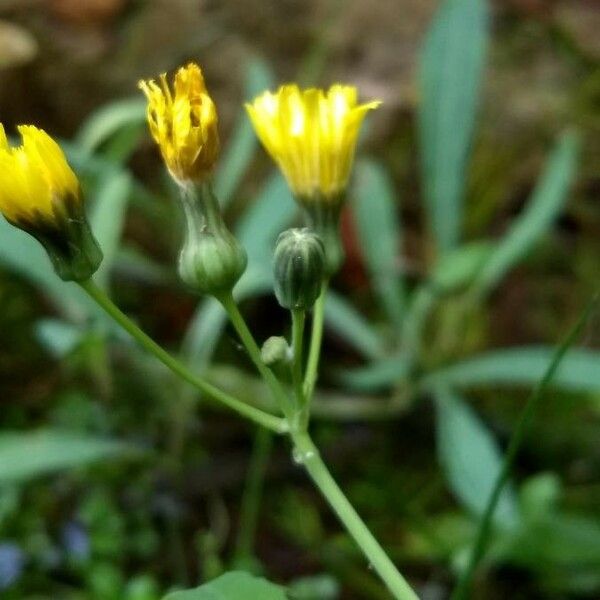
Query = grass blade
x=462 y=590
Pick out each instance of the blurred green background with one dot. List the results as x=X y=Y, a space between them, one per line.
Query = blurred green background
x=117 y=482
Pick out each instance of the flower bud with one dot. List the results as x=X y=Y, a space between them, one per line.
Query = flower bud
x=299 y=263
x=212 y=262
x=275 y=351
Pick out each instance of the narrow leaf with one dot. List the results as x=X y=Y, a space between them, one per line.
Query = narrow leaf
x=377 y=375
x=108 y=218
x=22 y=254
x=243 y=142
x=351 y=326
x=544 y=206
x=579 y=371
x=470 y=458
x=266 y=217
x=378 y=226
x=29 y=454
x=450 y=77
x=108 y=120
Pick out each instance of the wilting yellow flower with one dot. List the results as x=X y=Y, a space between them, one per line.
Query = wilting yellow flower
x=311 y=134
x=36 y=182
x=40 y=194
x=183 y=122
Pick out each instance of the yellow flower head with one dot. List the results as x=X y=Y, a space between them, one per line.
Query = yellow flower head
x=36 y=181
x=311 y=134
x=183 y=122
x=40 y=194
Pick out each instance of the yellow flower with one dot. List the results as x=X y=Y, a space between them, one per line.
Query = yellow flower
x=40 y=194
x=36 y=182
x=311 y=134
x=183 y=122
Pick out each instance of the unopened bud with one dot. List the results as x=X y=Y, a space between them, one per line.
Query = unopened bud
x=299 y=266
x=211 y=263
x=275 y=351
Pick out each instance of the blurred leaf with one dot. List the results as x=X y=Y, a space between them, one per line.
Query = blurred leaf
x=470 y=458
x=315 y=587
x=458 y=269
x=544 y=206
x=243 y=142
x=108 y=120
x=20 y=253
x=124 y=142
x=351 y=326
x=539 y=496
x=235 y=585
x=579 y=370
x=378 y=225
x=59 y=337
x=108 y=218
x=377 y=375
x=569 y=542
x=450 y=75
x=265 y=219
x=132 y=263
x=29 y=454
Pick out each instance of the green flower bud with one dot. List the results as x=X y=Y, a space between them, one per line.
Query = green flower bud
x=299 y=267
x=211 y=263
x=275 y=351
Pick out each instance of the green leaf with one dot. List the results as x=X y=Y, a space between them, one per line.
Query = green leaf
x=243 y=142
x=470 y=458
x=544 y=206
x=378 y=226
x=29 y=454
x=579 y=370
x=265 y=219
x=458 y=269
x=108 y=120
x=108 y=218
x=314 y=587
x=22 y=254
x=235 y=585
x=59 y=337
x=377 y=375
x=450 y=75
x=351 y=326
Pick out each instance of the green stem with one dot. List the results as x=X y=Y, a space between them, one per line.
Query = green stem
x=260 y=417
x=306 y=453
x=316 y=337
x=237 y=320
x=250 y=507
x=298 y=319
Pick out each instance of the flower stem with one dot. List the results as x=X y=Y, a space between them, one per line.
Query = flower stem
x=260 y=417
x=306 y=453
x=298 y=319
x=316 y=337
x=237 y=320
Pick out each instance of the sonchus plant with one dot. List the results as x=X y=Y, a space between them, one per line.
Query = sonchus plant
x=312 y=135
